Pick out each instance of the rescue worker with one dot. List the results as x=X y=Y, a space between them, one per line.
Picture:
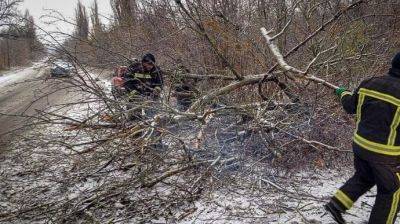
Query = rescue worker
x=150 y=85
x=135 y=66
x=376 y=147
x=145 y=78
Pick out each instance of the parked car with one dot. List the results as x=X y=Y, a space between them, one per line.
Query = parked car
x=60 y=69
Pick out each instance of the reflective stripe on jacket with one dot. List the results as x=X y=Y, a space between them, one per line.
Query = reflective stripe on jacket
x=376 y=103
x=145 y=82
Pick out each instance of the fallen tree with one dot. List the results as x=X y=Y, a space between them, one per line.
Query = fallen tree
x=86 y=161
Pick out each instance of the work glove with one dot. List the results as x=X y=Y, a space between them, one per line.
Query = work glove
x=157 y=90
x=133 y=94
x=339 y=91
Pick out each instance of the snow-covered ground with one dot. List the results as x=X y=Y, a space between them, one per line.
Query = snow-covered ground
x=291 y=198
x=296 y=198
x=301 y=203
x=18 y=74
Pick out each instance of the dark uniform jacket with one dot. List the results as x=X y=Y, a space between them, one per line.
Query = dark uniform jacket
x=130 y=82
x=376 y=103
x=143 y=82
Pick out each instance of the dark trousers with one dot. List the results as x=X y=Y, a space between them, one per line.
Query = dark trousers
x=387 y=179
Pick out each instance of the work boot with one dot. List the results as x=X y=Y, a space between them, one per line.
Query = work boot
x=335 y=211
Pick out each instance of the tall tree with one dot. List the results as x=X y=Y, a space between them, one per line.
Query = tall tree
x=8 y=11
x=95 y=18
x=125 y=11
x=29 y=30
x=82 y=22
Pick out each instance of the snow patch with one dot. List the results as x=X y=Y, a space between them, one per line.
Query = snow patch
x=16 y=75
x=301 y=203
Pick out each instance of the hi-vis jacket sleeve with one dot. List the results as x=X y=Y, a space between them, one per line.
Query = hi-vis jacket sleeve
x=349 y=101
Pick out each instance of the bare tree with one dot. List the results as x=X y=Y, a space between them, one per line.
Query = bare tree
x=8 y=12
x=18 y=40
x=82 y=22
x=125 y=11
x=263 y=100
x=97 y=26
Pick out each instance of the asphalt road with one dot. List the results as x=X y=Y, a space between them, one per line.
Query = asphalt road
x=25 y=91
x=20 y=97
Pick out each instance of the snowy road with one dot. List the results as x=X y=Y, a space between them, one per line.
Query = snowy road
x=18 y=89
x=24 y=91
x=16 y=75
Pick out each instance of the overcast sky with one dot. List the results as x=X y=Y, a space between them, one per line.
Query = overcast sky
x=67 y=7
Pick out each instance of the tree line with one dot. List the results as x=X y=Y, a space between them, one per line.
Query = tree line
x=19 y=43
x=223 y=37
